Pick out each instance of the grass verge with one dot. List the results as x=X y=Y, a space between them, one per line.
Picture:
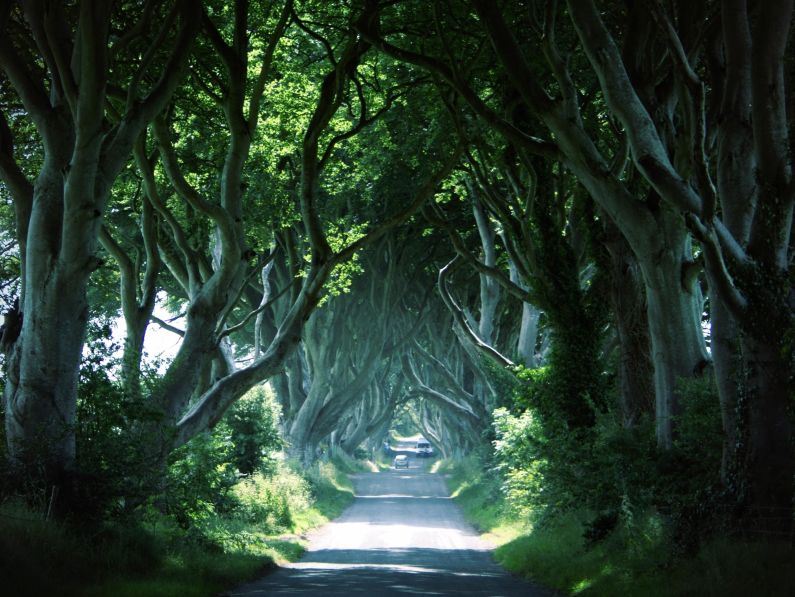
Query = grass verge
x=332 y=491
x=49 y=558
x=635 y=560
x=154 y=556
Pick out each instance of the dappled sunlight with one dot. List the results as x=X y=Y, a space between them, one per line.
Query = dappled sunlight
x=311 y=565
x=403 y=496
x=522 y=269
x=402 y=535
x=431 y=533
x=436 y=466
x=391 y=571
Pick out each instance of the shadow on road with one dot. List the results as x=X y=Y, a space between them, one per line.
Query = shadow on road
x=379 y=572
x=403 y=535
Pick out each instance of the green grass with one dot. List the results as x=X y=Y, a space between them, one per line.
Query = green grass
x=555 y=555
x=332 y=491
x=155 y=557
x=350 y=465
x=190 y=574
x=481 y=500
x=382 y=462
x=49 y=558
x=635 y=560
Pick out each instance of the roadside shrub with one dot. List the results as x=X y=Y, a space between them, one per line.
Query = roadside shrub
x=199 y=478
x=613 y=472
x=689 y=488
x=253 y=423
x=202 y=473
x=110 y=433
x=547 y=463
x=519 y=452
x=272 y=500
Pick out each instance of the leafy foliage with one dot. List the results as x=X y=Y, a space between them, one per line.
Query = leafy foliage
x=615 y=472
x=202 y=474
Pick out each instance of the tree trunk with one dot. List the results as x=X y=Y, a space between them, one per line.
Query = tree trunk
x=356 y=433
x=528 y=328
x=769 y=459
x=528 y=335
x=83 y=154
x=727 y=359
x=489 y=288
x=635 y=370
x=133 y=353
x=677 y=343
x=44 y=363
x=300 y=436
x=43 y=371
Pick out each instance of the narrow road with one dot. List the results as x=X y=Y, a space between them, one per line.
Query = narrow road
x=403 y=535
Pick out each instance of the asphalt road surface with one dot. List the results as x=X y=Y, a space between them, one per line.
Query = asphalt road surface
x=403 y=535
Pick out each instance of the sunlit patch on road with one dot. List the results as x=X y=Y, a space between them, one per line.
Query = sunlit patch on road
x=392 y=567
x=405 y=496
x=403 y=535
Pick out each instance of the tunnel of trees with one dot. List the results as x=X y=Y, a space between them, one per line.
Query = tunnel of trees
x=557 y=234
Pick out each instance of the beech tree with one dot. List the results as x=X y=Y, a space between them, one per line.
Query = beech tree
x=215 y=283
x=90 y=78
x=695 y=126
x=736 y=192
x=384 y=207
x=659 y=238
x=93 y=110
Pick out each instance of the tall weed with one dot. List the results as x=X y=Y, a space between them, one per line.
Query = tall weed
x=273 y=500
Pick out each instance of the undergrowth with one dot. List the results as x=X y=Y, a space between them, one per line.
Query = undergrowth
x=637 y=558
x=154 y=555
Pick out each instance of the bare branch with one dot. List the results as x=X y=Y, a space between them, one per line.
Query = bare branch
x=316 y=36
x=146 y=61
x=19 y=185
x=31 y=91
x=58 y=49
x=149 y=235
x=461 y=321
x=363 y=122
x=460 y=247
x=171 y=165
x=716 y=268
x=189 y=263
x=697 y=109
x=648 y=149
x=136 y=30
x=558 y=64
x=119 y=142
x=92 y=49
x=167 y=326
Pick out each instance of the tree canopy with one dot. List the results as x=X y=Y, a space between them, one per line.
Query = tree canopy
x=544 y=226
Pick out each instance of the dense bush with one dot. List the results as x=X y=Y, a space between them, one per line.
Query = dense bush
x=272 y=500
x=546 y=461
x=253 y=429
x=202 y=473
x=614 y=472
x=115 y=474
x=177 y=544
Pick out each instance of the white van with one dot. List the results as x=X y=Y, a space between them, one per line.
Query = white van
x=424 y=448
